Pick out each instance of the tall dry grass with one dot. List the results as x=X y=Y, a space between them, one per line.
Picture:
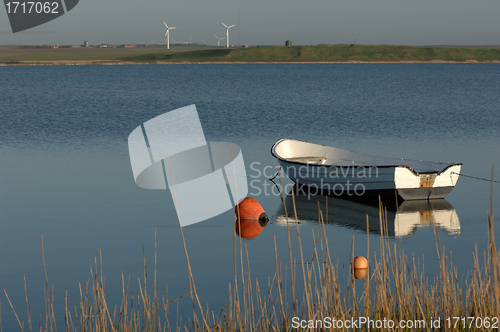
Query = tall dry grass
x=308 y=287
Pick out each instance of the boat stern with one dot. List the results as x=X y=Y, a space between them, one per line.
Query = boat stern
x=413 y=186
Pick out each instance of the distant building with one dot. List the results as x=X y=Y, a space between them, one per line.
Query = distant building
x=288 y=43
x=86 y=43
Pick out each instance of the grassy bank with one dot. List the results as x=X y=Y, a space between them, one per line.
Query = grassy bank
x=395 y=289
x=364 y=53
x=196 y=54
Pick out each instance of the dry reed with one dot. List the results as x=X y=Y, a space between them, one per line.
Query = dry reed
x=396 y=289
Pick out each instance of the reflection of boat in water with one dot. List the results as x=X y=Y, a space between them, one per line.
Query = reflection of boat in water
x=402 y=220
x=340 y=171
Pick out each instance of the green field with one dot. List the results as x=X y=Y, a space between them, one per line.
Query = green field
x=203 y=53
x=379 y=53
x=16 y=54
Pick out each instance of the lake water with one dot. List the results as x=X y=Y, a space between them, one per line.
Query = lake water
x=65 y=170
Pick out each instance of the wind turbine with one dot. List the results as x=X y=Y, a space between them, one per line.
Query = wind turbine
x=167 y=34
x=218 y=39
x=227 y=33
x=189 y=42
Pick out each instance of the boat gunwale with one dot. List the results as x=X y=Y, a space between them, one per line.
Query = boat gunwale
x=275 y=154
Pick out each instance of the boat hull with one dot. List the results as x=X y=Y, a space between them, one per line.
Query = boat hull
x=409 y=194
x=360 y=177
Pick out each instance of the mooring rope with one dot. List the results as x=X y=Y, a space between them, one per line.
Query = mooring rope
x=271 y=179
x=475 y=177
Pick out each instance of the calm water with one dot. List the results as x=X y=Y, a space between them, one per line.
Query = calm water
x=65 y=171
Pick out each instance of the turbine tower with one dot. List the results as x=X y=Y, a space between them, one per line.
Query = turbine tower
x=227 y=33
x=167 y=34
x=189 y=42
x=218 y=39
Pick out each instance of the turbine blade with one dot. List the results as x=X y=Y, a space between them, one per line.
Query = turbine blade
x=165 y=24
x=224 y=24
x=172 y=28
x=231 y=26
x=215 y=35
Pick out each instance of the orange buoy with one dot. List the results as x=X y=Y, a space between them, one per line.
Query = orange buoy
x=249 y=208
x=360 y=273
x=359 y=262
x=251 y=217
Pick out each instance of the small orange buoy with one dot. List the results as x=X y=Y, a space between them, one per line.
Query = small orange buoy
x=360 y=273
x=359 y=262
x=251 y=217
x=249 y=208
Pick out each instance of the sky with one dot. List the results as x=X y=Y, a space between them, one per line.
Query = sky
x=269 y=22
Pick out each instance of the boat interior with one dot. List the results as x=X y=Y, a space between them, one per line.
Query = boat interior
x=311 y=153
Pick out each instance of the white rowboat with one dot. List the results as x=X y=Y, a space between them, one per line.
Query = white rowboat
x=342 y=172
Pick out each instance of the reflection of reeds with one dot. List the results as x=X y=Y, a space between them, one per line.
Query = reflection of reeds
x=396 y=288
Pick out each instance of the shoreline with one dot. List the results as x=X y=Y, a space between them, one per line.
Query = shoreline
x=114 y=62
x=278 y=55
